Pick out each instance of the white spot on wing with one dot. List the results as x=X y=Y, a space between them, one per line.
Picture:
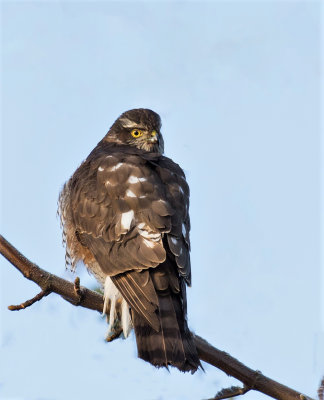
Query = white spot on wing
x=129 y=193
x=132 y=179
x=184 y=230
x=115 y=167
x=152 y=236
x=126 y=219
x=135 y=179
x=108 y=183
x=146 y=233
x=149 y=243
x=100 y=169
x=174 y=240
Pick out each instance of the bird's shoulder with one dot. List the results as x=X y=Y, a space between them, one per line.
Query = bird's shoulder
x=123 y=161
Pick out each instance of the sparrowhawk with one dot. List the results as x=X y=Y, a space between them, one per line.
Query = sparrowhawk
x=125 y=214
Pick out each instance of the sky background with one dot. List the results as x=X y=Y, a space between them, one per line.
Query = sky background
x=237 y=85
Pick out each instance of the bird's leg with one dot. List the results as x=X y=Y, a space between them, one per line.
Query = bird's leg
x=114 y=332
x=115 y=326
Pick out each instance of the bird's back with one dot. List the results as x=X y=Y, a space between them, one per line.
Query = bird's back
x=125 y=215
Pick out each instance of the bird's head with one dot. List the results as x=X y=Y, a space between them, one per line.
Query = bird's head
x=139 y=128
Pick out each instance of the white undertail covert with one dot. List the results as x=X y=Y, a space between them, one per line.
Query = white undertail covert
x=113 y=298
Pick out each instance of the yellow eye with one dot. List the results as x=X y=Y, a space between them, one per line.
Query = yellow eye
x=136 y=133
x=153 y=133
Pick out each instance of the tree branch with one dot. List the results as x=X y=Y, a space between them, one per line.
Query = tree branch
x=231 y=392
x=81 y=296
x=30 y=302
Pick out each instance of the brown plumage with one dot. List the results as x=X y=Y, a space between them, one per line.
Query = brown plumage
x=124 y=213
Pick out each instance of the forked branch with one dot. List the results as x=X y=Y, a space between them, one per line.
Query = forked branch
x=81 y=296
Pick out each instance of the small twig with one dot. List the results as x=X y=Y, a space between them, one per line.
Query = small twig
x=30 y=302
x=230 y=392
x=234 y=391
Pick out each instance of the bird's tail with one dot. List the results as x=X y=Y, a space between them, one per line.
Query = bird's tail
x=173 y=343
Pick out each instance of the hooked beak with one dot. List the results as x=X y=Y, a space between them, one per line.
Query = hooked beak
x=153 y=138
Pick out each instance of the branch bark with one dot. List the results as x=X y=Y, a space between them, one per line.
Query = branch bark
x=81 y=296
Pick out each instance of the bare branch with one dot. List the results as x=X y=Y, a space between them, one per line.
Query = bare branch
x=228 y=393
x=28 y=303
x=92 y=300
x=50 y=282
x=235 y=391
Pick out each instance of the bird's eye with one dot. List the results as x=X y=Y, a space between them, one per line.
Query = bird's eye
x=136 y=133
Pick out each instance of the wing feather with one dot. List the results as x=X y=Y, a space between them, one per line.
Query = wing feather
x=130 y=211
x=141 y=297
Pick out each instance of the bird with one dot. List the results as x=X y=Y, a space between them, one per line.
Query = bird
x=125 y=215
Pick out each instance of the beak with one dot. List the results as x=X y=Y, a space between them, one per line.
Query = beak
x=153 y=138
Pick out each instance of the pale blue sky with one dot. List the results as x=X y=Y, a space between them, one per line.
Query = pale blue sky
x=237 y=85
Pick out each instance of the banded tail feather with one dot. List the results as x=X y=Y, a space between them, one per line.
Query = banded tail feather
x=163 y=338
x=172 y=344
